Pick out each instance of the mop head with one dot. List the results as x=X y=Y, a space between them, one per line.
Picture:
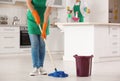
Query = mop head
x=59 y=74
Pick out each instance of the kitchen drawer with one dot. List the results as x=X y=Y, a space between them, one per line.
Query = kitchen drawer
x=114 y=36
x=9 y=29
x=9 y=39
x=114 y=30
x=9 y=35
x=9 y=49
x=9 y=42
x=6 y=42
x=115 y=51
x=3 y=38
x=8 y=45
x=115 y=44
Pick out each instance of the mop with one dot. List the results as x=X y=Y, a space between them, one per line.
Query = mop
x=59 y=74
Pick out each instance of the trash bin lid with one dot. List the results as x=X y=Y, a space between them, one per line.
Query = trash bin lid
x=76 y=56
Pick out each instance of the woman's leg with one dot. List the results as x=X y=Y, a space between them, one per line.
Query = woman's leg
x=41 y=52
x=41 y=56
x=34 y=39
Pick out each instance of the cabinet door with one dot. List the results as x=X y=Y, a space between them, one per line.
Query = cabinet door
x=55 y=40
x=102 y=41
x=9 y=39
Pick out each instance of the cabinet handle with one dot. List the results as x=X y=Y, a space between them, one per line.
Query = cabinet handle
x=114 y=35
x=114 y=43
x=9 y=29
x=9 y=37
x=114 y=28
x=114 y=52
x=9 y=47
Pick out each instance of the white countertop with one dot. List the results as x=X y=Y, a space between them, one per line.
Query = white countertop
x=85 y=23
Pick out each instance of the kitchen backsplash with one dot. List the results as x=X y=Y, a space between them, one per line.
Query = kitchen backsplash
x=11 y=10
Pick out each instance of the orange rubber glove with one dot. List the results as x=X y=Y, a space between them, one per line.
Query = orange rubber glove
x=44 y=30
x=36 y=16
x=87 y=10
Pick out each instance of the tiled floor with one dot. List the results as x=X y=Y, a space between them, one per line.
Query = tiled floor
x=16 y=67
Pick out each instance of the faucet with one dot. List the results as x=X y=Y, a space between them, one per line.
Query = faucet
x=15 y=20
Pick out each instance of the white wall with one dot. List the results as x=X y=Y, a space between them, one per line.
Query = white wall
x=99 y=11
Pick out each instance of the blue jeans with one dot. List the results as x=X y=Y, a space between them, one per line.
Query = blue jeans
x=37 y=50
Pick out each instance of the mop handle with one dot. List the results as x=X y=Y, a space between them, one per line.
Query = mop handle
x=51 y=59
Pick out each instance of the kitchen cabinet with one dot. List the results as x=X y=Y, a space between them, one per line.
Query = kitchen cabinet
x=9 y=39
x=100 y=39
x=56 y=4
x=55 y=41
x=115 y=40
x=7 y=1
x=59 y=3
x=78 y=39
x=21 y=0
x=107 y=42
